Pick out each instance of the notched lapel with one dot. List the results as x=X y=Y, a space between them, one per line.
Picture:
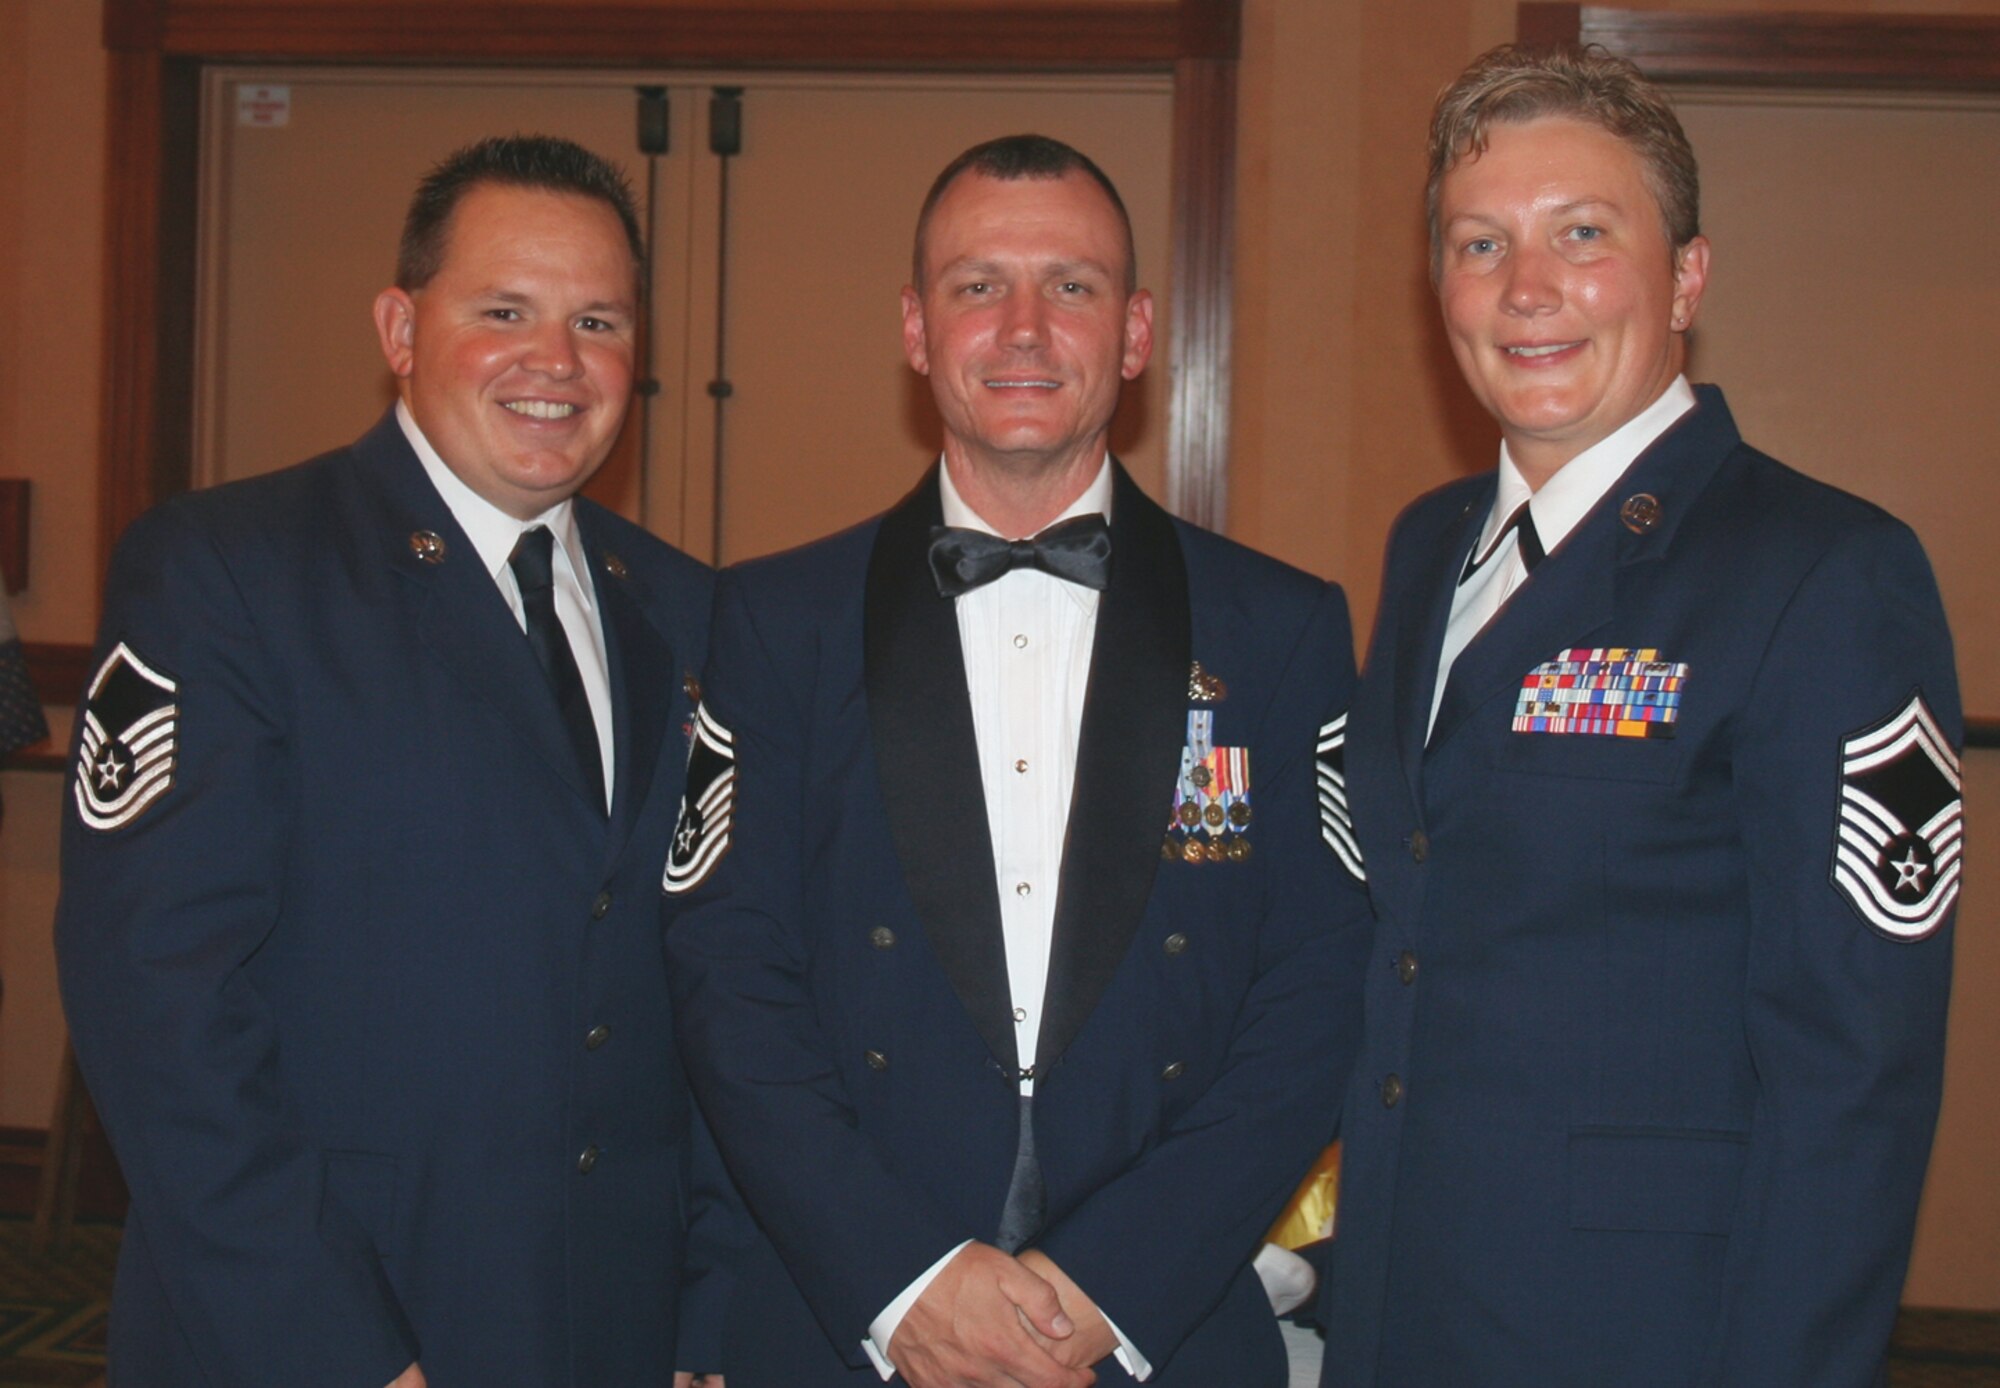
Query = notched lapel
x=927 y=760
x=644 y=687
x=1570 y=596
x=1134 y=718
x=461 y=615
x=1422 y=636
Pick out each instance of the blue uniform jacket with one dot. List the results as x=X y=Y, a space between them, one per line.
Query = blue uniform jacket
x=1647 y=1093
x=361 y=984
x=840 y=978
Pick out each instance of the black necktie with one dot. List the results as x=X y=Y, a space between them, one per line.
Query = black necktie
x=1531 y=542
x=1078 y=549
x=531 y=563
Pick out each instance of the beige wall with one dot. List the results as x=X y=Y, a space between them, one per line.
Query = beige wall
x=1345 y=409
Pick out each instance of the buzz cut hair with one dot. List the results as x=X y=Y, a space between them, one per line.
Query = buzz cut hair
x=544 y=162
x=1010 y=159
x=1514 y=83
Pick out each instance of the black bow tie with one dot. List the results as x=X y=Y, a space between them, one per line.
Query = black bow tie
x=1078 y=550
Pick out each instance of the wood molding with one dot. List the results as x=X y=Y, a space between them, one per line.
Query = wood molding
x=1899 y=52
x=1154 y=32
x=59 y=670
x=15 y=495
x=152 y=133
x=1204 y=255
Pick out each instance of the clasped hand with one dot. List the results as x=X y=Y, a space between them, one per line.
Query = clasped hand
x=991 y=1321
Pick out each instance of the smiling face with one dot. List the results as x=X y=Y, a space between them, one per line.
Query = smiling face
x=516 y=358
x=1024 y=324
x=1563 y=300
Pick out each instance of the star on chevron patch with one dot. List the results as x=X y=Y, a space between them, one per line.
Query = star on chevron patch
x=1900 y=837
x=126 y=748
x=701 y=836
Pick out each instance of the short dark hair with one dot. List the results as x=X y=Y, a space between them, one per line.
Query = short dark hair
x=1013 y=157
x=1513 y=84
x=514 y=161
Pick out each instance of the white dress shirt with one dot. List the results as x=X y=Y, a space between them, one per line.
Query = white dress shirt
x=1563 y=500
x=1026 y=638
x=494 y=534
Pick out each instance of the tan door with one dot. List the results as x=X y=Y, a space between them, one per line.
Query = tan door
x=823 y=423
x=1850 y=315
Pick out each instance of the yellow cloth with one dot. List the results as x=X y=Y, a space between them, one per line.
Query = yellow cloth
x=1309 y=1216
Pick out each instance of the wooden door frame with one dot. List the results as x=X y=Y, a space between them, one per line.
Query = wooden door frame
x=1878 y=52
x=158 y=48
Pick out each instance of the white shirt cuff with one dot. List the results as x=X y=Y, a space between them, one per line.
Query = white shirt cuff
x=1127 y=1353
x=883 y=1328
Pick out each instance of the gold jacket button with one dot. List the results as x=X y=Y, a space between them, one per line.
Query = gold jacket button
x=1406 y=968
x=1173 y=1071
x=876 y=1060
x=596 y=1037
x=1176 y=943
x=1392 y=1091
x=882 y=937
x=587 y=1161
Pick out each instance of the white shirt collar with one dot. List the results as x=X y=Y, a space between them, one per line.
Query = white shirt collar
x=492 y=531
x=1581 y=483
x=1096 y=500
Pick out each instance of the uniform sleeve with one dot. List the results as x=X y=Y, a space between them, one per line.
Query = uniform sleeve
x=851 y=1234
x=718 y=1228
x=1158 y=1247
x=1846 y=774
x=174 y=843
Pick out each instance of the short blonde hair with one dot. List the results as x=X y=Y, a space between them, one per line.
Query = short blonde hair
x=1513 y=84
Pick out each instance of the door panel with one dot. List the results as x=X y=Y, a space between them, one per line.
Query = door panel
x=824 y=423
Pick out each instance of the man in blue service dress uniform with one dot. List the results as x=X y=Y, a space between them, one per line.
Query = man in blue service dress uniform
x=1011 y=963
x=1654 y=770
x=359 y=932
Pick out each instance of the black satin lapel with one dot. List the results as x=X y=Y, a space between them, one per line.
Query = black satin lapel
x=927 y=760
x=1128 y=752
x=462 y=615
x=1421 y=640
x=644 y=690
x=1569 y=597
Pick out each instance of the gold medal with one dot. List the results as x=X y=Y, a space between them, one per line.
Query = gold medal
x=1170 y=848
x=1239 y=813
x=1214 y=851
x=1191 y=850
x=1239 y=849
x=1213 y=814
x=1201 y=777
x=1190 y=813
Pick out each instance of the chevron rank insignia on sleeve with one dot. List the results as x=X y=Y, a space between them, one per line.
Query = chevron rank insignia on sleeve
x=1901 y=828
x=701 y=836
x=1336 y=821
x=127 y=744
